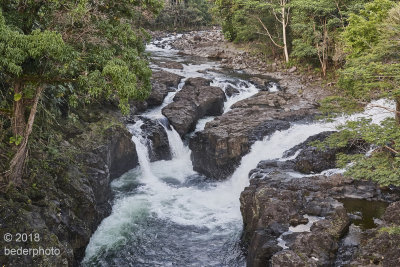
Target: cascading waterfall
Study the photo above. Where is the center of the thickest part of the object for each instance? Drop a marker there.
(165, 214)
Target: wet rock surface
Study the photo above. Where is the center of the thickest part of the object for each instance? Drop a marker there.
(315, 160)
(211, 44)
(196, 100)
(275, 200)
(381, 246)
(217, 150)
(158, 145)
(72, 198)
(162, 83)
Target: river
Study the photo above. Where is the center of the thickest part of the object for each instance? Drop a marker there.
(166, 214)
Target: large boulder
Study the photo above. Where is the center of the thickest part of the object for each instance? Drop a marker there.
(196, 100)
(162, 83)
(318, 207)
(273, 203)
(381, 246)
(156, 135)
(312, 159)
(217, 150)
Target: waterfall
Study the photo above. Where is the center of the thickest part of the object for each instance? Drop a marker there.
(173, 216)
(141, 148)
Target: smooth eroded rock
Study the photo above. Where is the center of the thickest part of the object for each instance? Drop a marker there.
(196, 100)
(217, 150)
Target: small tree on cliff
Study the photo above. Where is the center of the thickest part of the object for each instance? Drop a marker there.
(90, 45)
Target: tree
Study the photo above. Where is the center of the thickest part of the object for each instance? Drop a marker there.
(91, 45)
(268, 18)
(372, 71)
(226, 10)
(314, 24)
(281, 11)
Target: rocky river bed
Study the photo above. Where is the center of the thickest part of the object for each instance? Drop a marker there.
(216, 168)
(228, 175)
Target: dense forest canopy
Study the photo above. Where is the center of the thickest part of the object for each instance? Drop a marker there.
(82, 51)
(78, 51)
(356, 42)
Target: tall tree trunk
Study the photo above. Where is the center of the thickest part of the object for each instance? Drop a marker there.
(398, 109)
(284, 24)
(18, 117)
(325, 49)
(18, 161)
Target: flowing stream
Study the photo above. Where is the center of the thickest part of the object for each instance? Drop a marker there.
(166, 214)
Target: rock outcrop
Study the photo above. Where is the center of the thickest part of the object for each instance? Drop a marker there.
(217, 150)
(196, 100)
(381, 246)
(162, 83)
(275, 201)
(291, 221)
(68, 195)
(157, 137)
(315, 160)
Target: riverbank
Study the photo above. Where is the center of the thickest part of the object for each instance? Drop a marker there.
(67, 192)
(208, 135)
(271, 233)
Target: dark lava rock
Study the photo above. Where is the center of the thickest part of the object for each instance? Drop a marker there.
(68, 200)
(217, 150)
(275, 198)
(162, 83)
(158, 140)
(196, 100)
(314, 160)
(264, 84)
(267, 202)
(231, 91)
(381, 246)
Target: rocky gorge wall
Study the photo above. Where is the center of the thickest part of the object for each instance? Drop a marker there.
(305, 221)
(65, 201)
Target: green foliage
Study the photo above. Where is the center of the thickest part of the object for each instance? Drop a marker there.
(339, 104)
(362, 32)
(183, 15)
(383, 164)
(373, 64)
(16, 140)
(241, 22)
(77, 51)
(95, 48)
(392, 230)
(226, 9)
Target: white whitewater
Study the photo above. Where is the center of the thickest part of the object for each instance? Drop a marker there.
(216, 206)
(164, 191)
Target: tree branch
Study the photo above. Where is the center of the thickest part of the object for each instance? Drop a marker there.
(268, 34)
(391, 149)
(382, 107)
